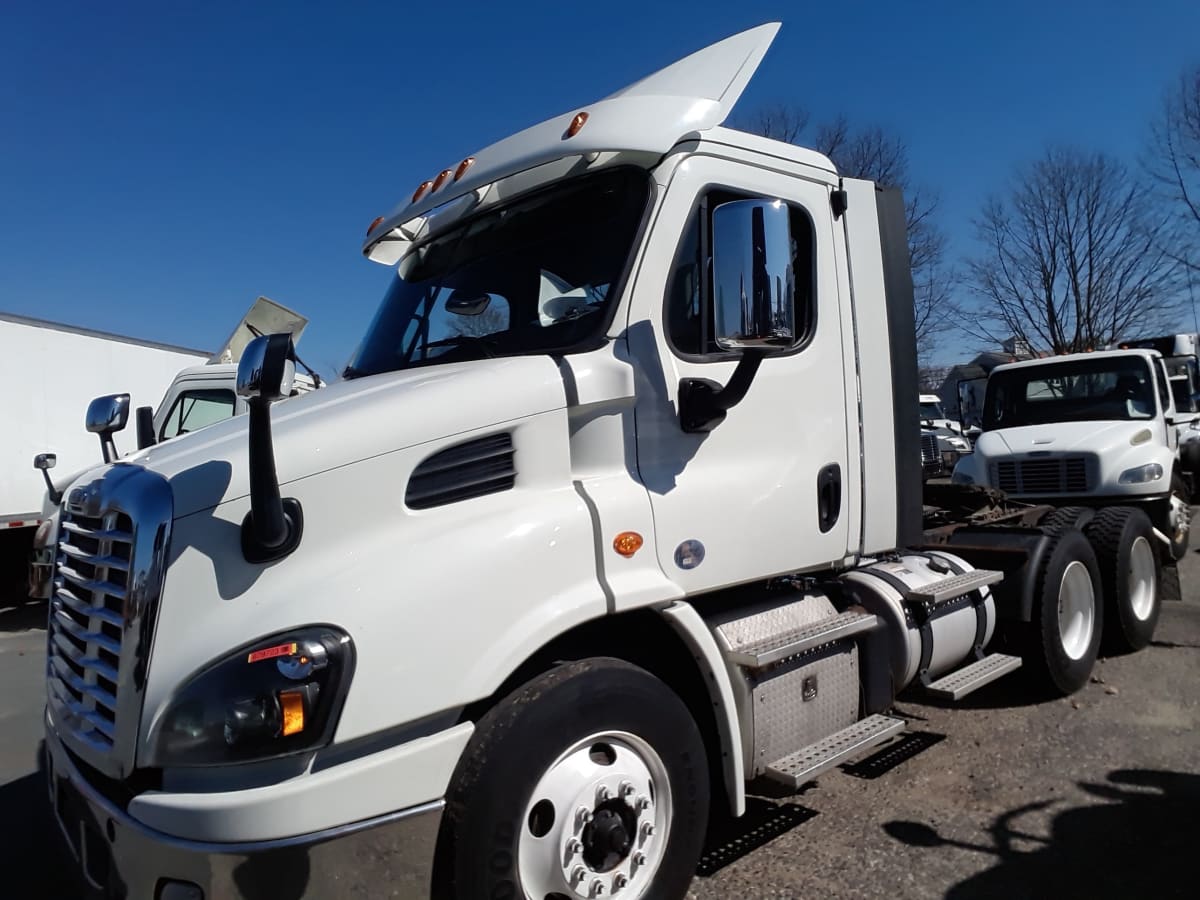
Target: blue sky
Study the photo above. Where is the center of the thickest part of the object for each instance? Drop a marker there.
(162, 164)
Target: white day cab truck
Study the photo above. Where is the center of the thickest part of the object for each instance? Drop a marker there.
(616, 512)
(197, 396)
(64, 367)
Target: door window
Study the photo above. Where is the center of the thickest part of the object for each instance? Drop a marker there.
(196, 408)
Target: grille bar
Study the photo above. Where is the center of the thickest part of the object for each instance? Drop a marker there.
(1047, 475)
(105, 615)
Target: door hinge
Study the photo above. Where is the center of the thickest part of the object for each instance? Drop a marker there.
(839, 200)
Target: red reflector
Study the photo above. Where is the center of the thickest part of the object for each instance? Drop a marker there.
(271, 653)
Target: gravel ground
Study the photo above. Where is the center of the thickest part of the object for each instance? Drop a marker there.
(1003, 795)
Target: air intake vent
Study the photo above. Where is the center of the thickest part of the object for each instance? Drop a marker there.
(483, 466)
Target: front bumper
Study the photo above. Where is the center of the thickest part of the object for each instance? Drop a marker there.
(387, 856)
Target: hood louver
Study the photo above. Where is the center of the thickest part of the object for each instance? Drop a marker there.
(472, 469)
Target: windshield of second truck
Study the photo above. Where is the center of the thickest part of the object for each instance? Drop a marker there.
(536, 275)
(932, 411)
(1091, 390)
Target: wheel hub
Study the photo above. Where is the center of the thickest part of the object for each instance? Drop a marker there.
(597, 821)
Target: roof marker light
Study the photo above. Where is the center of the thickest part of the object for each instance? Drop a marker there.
(463, 166)
(441, 179)
(421, 189)
(577, 123)
(371, 227)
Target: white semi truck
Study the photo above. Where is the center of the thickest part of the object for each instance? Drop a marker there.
(62, 367)
(617, 510)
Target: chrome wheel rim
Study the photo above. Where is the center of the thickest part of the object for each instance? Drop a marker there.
(1076, 610)
(1143, 578)
(1180, 518)
(597, 821)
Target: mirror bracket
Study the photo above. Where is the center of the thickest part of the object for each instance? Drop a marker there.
(704, 403)
(43, 462)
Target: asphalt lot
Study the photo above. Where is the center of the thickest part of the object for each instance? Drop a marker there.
(1004, 795)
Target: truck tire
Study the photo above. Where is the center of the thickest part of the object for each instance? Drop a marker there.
(1179, 516)
(1125, 546)
(527, 814)
(1063, 637)
(1059, 520)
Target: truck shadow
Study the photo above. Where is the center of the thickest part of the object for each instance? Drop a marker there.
(33, 854)
(1138, 844)
(730, 839)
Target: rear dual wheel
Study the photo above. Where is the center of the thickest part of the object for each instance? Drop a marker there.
(1063, 638)
(590, 780)
(1130, 573)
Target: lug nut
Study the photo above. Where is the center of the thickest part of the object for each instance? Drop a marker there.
(627, 789)
(577, 874)
(620, 881)
(601, 794)
(597, 888)
(643, 803)
(573, 847)
(647, 830)
(639, 858)
(584, 814)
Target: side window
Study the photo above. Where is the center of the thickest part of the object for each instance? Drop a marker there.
(195, 409)
(690, 290)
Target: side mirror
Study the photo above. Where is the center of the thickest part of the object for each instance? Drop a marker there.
(462, 303)
(272, 528)
(753, 303)
(143, 418)
(106, 416)
(44, 462)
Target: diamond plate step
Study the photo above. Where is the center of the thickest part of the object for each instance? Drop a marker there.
(808, 762)
(970, 678)
(954, 586)
(790, 643)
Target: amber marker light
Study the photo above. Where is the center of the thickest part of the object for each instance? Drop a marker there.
(577, 124)
(463, 166)
(627, 543)
(291, 705)
(441, 179)
(421, 189)
(371, 227)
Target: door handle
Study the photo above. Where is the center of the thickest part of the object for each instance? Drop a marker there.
(829, 496)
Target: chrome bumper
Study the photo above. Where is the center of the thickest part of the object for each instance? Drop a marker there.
(388, 856)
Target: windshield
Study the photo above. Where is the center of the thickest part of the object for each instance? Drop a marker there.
(1107, 388)
(931, 411)
(536, 275)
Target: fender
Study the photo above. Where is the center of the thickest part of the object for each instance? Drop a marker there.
(687, 623)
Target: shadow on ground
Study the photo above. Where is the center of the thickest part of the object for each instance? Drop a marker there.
(33, 855)
(1140, 844)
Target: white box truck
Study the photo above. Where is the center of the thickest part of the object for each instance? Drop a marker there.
(617, 510)
(63, 368)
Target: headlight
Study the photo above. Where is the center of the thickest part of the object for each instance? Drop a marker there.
(958, 444)
(961, 478)
(280, 695)
(1142, 474)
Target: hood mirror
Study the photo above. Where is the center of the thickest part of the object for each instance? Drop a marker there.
(44, 462)
(106, 416)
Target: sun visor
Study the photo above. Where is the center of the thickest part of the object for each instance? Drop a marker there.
(264, 317)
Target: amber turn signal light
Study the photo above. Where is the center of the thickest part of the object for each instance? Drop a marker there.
(627, 543)
(291, 705)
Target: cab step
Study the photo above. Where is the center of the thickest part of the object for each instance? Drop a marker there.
(970, 678)
(954, 586)
(808, 762)
(791, 643)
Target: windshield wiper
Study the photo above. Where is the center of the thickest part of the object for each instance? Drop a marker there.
(485, 343)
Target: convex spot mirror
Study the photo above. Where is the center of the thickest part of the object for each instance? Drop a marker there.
(107, 414)
(267, 369)
(753, 279)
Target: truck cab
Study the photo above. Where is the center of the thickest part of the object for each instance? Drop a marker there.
(1086, 429)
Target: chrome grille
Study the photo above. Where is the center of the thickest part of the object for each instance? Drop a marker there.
(113, 534)
(1047, 475)
(87, 615)
(931, 457)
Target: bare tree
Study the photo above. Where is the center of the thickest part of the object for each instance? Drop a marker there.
(873, 154)
(1075, 257)
(1173, 162)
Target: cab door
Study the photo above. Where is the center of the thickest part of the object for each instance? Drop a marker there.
(765, 491)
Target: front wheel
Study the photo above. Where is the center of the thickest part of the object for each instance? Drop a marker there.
(589, 780)
(1179, 516)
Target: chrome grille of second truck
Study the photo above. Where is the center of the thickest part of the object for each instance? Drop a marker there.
(1049, 475)
(87, 616)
